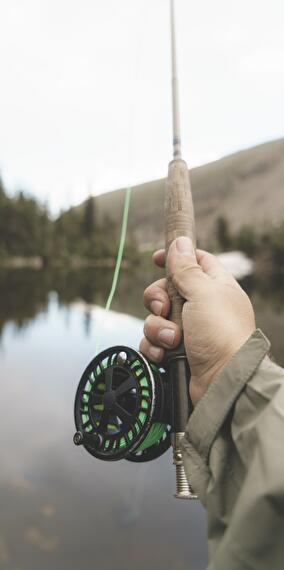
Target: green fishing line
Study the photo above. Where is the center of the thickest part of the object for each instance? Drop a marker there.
(157, 430)
(119, 255)
(120, 249)
(155, 434)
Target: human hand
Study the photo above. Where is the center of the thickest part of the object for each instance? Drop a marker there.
(217, 314)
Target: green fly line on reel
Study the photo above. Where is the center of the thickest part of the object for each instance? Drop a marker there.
(121, 407)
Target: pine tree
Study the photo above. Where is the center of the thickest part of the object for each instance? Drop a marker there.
(88, 223)
(223, 234)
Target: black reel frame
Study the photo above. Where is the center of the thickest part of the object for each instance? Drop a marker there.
(119, 398)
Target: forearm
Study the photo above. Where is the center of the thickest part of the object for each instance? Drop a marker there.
(232, 439)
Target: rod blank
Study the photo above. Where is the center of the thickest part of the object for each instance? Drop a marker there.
(175, 90)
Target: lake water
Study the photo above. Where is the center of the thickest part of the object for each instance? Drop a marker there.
(60, 507)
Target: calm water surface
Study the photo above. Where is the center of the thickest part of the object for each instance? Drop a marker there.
(61, 508)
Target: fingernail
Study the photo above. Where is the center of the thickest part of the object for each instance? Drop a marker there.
(155, 352)
(156, 307)
(167, 336)
(184, 245)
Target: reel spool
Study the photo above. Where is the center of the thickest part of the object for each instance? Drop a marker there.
(122, 407)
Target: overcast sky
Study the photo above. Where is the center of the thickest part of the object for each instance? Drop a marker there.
(85, 89)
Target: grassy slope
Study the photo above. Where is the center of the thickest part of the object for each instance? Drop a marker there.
(246, 187)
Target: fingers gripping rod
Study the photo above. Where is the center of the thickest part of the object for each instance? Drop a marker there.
(179, 221)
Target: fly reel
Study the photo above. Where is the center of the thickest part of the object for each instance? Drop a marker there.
(122, 407)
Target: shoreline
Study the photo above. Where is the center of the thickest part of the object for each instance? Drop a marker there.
(37, 263)
(236, 262)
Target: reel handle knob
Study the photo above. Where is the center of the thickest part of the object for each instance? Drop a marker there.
(84, 438)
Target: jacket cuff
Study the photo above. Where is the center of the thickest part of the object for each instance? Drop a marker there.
(213, 408)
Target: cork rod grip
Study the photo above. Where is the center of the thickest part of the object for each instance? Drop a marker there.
(179, 221)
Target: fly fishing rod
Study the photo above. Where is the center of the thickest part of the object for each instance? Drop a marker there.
(125, 406)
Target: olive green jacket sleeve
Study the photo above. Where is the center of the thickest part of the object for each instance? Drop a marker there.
(233, 453)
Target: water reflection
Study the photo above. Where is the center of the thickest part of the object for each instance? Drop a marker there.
(60, 508)
(24, 294)
(267, 296)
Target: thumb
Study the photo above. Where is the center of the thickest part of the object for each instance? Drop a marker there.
(187, 276)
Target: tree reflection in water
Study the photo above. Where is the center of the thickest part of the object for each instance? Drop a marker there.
(60, 508)
(24, 293)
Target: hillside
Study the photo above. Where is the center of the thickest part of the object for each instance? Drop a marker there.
(245, 188)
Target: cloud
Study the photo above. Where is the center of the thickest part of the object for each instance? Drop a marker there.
(21, 485)
(38, 539)
(48, 511)
(263, 62)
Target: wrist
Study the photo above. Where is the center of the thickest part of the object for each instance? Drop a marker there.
(199, 383)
